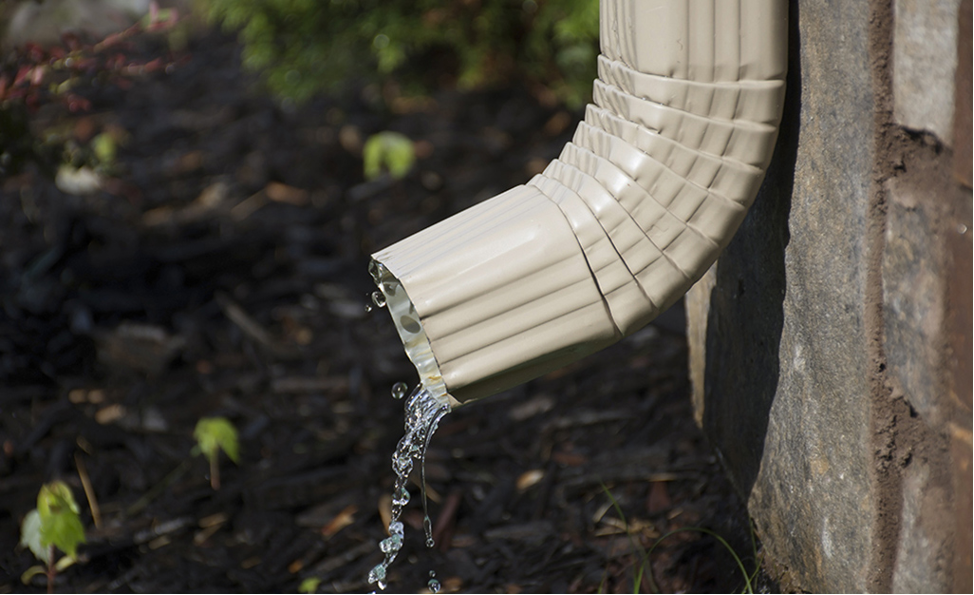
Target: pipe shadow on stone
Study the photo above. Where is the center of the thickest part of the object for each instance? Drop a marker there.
(745, 316)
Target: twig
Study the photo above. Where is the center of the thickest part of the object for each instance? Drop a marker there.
(250, 327)
(89, 490)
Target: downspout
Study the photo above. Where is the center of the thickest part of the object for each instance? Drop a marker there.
(639, 204)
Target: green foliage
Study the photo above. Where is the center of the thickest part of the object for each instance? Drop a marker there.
(60, 523)
(305, 46)
(214, 434)
(309, 585)
(55, 523)
(30, 537)
(105, 148)
(390, 150)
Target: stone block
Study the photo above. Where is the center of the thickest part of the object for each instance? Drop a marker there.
(913, 301)
(924, 60)
(924, 537)
(785, 366)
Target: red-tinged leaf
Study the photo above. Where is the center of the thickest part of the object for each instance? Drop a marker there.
(22, 74)
(86, 64)
(108, 42)
(71, 40)
(77, 103)
(35, 53)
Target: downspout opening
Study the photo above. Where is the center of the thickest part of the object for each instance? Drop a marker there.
(411, 332)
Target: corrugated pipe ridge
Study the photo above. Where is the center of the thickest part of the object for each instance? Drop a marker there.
(654, 183)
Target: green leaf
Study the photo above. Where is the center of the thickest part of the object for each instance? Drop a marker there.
(60, 523)
(309, 585)
(217, 433)
(390, 150)
(31, 573)
(30, 537)
(104, 148)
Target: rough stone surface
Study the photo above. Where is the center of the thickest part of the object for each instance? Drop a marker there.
(963, 168)
(924, 59)
(785, 351)
(922, 551)
(960, 348)
(913, 292)
(830, 344)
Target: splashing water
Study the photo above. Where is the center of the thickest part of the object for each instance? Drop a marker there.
(423, 415)
(378, 299)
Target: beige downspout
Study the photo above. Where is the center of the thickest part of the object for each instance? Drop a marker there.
(653, 185)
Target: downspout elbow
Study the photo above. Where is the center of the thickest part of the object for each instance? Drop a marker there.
(654, 183)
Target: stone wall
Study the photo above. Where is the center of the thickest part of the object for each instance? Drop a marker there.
(831, 343)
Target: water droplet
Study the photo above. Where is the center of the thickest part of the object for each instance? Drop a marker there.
(391, 543)
(402, 499)
(379, 299)
(427, 524)
(368, 307)
(399, 390)
(433, 584)
(378, 573)
(423, 415)
(377, 270)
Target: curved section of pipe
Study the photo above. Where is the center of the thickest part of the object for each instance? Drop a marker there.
(656, 180)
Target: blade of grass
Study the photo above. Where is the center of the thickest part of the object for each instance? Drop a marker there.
(643, 555)
(740, 564)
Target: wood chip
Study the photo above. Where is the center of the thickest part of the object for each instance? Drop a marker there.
(112, 413)
(287, 194)
(529, 478)
(343, 519)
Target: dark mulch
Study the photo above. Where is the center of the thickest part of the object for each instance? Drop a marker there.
(225, 274)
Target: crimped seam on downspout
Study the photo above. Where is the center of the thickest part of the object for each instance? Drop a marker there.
(654, 183)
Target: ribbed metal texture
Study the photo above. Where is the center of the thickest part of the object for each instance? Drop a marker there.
(655, 182)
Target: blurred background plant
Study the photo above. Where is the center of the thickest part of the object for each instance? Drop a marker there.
(50, 49)
(302, 47)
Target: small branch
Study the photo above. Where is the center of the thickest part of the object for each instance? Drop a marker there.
(89, 491)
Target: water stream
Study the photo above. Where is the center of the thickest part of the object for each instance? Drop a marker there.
(423, 415)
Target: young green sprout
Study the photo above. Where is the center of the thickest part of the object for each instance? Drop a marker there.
(389, 150)
(214, 434)
(54, 525)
